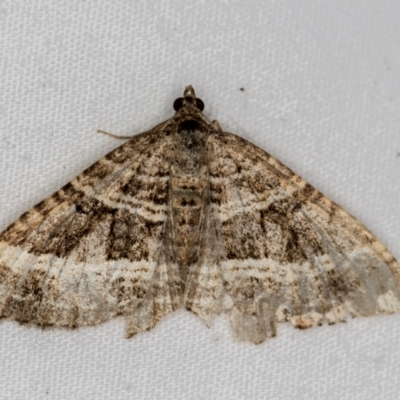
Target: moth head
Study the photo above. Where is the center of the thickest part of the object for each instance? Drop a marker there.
(188, 99)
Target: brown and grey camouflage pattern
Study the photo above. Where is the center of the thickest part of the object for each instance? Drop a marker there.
(188, 215)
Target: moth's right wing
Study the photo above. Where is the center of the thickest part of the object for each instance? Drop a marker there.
(281, 251)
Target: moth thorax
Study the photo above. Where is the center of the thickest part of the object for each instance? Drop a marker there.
(191, 147)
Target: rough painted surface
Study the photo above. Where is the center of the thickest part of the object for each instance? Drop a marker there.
(188, 215)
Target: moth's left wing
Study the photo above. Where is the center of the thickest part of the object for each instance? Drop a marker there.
(98, 247)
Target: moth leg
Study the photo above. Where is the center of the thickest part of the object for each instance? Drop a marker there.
(215, 124)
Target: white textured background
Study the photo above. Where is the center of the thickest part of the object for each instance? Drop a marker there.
(322, 93)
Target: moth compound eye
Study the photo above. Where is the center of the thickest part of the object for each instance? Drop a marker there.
(200, 104)
(178, 103)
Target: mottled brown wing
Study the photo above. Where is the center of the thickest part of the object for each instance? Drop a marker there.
(204, 289)
(286, 252)
(96, 248)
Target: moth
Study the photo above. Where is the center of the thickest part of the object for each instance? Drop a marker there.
(187, 215)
